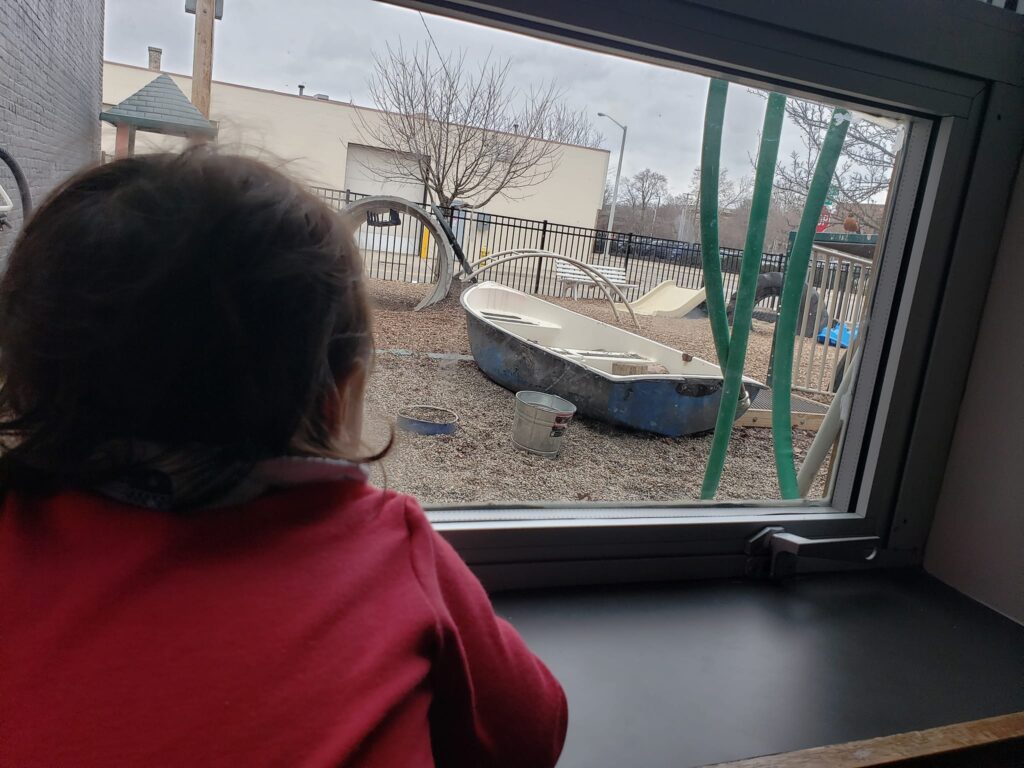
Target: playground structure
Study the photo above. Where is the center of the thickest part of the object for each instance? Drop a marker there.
(731, 343)
(843, 312)
(838, 309)
(437, 228)
(600, 279)
(367, 210)
(804, 311)
(834, 305)
(667, 299)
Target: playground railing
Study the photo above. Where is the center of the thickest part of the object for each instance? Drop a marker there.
(843, 286)
(401, 253)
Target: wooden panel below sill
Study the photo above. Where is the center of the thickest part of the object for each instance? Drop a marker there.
(995, 742)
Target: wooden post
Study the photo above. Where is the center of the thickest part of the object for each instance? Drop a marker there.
(202, 56)
(124, 141)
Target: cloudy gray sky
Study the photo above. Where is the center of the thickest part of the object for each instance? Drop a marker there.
(326, 44)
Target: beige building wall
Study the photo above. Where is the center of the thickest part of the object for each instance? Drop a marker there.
(310, 137)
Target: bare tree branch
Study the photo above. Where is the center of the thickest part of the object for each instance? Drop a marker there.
(464, 133)
(865, 168)
(641, 190)
(732, 194)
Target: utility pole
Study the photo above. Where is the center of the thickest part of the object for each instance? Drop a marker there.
(654, 223)
(618, 173)
(206, 12)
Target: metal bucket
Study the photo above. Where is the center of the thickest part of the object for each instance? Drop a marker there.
(540, 422)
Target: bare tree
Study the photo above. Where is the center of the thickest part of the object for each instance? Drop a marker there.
(864, 170)
(570, 126)
(465, 133)
(734, 197)
(642, 189)
(732, 193)
(733, 224)
(667, 221)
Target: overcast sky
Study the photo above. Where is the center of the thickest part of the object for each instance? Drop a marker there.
(326, 44)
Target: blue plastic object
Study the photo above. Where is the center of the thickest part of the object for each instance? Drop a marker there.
(833, 335)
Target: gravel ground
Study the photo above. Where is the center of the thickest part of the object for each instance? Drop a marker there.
(597, 462)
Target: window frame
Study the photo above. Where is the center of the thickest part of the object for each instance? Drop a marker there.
(945, 224)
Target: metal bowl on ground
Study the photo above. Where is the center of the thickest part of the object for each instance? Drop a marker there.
(428, 420)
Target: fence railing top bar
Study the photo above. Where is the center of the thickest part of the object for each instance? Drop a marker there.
(556, 227)
(834, 254)
(620, 240)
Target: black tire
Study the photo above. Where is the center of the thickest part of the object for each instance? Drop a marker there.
(769, 284)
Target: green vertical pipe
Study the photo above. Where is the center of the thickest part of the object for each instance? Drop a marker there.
(785, 328)
(710, 159)
(767, 155)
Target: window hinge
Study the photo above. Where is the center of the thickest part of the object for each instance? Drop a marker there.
(773, 553)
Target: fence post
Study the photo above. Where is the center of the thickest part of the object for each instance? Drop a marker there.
(629, 249)
(540, 259)
(348, 196)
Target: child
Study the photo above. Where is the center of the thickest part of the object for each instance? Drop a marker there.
(193, 568)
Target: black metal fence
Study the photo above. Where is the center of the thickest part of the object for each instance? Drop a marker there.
(391, 251)
(337, 198)
(401, 251)
(646, 261)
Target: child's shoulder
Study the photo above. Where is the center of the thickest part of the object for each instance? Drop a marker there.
(388, 507)
(405, 509)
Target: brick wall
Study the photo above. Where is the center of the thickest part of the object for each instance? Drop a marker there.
(51, 64)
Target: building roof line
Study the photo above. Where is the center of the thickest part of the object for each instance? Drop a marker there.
(328, 101)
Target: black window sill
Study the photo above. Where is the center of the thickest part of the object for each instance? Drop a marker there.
(704, 672)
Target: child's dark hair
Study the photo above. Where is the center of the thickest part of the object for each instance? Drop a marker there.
(189, 301)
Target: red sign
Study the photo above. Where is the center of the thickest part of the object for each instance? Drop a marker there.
(823, 220)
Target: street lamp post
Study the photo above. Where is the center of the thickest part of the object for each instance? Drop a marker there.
(615, 189)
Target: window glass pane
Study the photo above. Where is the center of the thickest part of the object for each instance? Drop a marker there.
(506, 144)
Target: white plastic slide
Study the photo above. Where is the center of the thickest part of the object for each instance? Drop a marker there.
(667, 299)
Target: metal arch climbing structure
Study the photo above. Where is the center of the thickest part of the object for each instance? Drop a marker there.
(516, 254)
(354, 214)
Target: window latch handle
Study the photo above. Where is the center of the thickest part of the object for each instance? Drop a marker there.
(773, 552)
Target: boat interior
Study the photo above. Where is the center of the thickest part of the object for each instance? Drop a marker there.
(592, 343)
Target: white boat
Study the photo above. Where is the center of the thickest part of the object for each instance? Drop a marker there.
(525, 343)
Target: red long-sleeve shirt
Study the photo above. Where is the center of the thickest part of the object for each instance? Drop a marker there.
(322, 625)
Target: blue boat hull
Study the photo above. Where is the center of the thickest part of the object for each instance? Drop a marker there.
(670, 406)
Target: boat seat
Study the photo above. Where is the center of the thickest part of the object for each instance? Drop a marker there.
(520, 324)
(508, 318)
(602, 353)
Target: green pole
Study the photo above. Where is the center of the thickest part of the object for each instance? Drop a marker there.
(785, 328)
(710, 159)
(732, 386)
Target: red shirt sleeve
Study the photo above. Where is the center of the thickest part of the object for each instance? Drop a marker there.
(495, 703)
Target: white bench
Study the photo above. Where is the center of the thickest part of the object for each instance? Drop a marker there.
(571, 276)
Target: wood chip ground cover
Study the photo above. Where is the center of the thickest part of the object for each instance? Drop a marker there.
(597, 462)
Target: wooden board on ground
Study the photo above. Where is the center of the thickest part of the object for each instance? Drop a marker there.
(806, 414)
(755, 417)
(995, 742)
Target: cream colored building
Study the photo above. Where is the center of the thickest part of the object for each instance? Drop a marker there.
(321, 142)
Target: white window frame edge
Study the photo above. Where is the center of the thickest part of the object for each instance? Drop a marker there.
(966, 129)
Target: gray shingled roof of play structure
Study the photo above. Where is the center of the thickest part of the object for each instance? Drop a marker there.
(160, 107)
